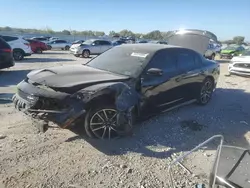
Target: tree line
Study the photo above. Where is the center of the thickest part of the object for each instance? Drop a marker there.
(153, 35)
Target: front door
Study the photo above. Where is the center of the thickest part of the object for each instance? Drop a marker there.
(105, 45)
(161, 92)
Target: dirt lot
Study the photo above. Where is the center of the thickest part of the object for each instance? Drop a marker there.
(61, 158)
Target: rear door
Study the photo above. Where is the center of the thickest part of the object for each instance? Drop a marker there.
(105, 45)
(162, 91)
(192, 73)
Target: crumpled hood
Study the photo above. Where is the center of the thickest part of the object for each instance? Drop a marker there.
(227, 51)
(243, 59)
(197, 40)
(72, 75)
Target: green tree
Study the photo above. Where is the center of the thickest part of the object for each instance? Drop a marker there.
(238, 39)
(66, 32)
(154, 35)
(126, 32)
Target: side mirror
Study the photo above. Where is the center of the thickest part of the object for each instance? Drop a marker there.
(154, 72)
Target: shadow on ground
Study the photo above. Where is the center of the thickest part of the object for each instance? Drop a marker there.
(12, 77)
(44, 60)
(182, 129)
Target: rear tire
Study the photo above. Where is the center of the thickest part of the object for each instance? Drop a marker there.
(67, 47)
(86, 53)
(18, 55)
(205, 92)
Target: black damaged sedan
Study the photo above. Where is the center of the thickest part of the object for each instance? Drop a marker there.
(124, 84)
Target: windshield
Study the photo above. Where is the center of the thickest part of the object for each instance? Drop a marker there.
(231, 48)
(246, 53)
(119, 60)
(88, 42)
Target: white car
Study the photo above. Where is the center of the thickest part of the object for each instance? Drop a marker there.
(59, 44)
(20, 47)
(240, 64)
(90, 47)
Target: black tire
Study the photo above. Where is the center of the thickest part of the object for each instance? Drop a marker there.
(39, 51)
(212, 57)
(49, 47)
(86, 53)
(18, 55)
(205, 92)
(67, 47)
(96, 127)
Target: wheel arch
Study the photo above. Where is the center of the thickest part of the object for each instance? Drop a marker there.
(19, 49)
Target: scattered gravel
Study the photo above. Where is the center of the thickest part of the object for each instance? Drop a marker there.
(61, 158)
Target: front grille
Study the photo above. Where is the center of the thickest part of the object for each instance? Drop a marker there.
(29, 98)
(242, 65)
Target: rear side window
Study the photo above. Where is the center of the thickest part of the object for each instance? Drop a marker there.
(3, 44)
(103, 42)
(186, 60)
(9, 38)
(60, 41)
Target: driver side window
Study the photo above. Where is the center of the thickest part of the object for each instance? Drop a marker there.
(164, 60)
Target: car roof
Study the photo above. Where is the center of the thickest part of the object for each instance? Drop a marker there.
(148, 47)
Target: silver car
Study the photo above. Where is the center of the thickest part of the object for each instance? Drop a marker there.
(58, 44)
(211, 52)
(91, 47)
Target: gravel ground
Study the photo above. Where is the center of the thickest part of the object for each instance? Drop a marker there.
(61, 158)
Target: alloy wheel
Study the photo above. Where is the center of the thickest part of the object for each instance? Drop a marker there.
(86, 54)
(103, 124)
(206, 92)
(18, 55)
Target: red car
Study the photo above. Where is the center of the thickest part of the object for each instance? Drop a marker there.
(37, 46)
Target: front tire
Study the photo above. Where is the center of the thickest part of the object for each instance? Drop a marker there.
(49, 47)
(205, 92)
(18, 55)
(86, 53)
(39, 51)
(101, 123)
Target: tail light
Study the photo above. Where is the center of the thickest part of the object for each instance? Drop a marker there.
(7, 50)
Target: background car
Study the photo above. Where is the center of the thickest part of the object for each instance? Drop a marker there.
(37, 46)
(240, 64)
(42, 39)
(78, 42)
(210, 52)
(20, 47)
(118, 42)
(59, 44)
(231, 51)
(91, 47)
(6, 56)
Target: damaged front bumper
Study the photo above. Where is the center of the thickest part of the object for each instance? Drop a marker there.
(47, 104)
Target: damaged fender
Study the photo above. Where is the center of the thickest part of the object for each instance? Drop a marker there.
(126, 98)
